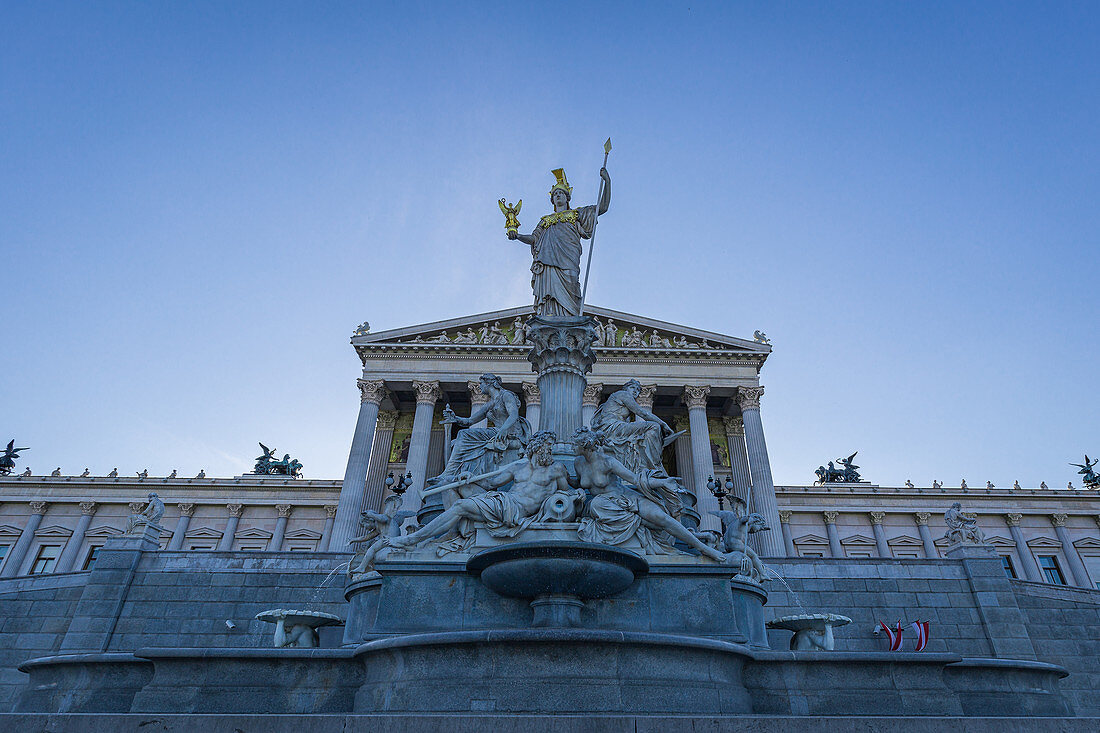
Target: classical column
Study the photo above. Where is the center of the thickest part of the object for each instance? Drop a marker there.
(739, 459)
(785, 525)
(590, 400)
(276, 542)
(225, 544)
(477, 399)
(835, 548)
(18, 553)
(763, 490)
(326, 531)
(379, 461)
(1077, 568)
(426, 395)
(435, 504)
(533, 400)
(695, 397)
(682, 448)
(877, 519)
(1031, 568)
(354, 488)
(72, 548)
(921, 518)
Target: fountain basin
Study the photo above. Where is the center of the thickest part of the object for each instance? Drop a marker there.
(557, 575)
(812, 631)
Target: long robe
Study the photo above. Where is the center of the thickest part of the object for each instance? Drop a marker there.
(556, 265)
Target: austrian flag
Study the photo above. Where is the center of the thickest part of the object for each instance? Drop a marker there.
(894, 635)
(920, 628)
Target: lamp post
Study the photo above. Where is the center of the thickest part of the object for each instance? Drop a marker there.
(398, 485)
(720, 490)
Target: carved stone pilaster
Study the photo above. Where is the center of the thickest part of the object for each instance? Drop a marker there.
(284, 509)
(330, 510)
(371, 390)
(733, 425)
(87, 508)
(830, 517)
(531, 394)
(186, 510)
(591, 395)
(387, 419)
(785, 516)
(427, 393)
(235, 510)
(646, 395)
(1059, 520)
(922, 517)
(1013, 520)
(477, 397)
(877, 517)
(749, 397)
(696, 395)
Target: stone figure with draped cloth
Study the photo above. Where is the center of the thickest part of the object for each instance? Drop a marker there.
(480, 450)
(556, 248)
(633, 433)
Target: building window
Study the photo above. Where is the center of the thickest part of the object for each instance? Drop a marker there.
(1053, 573)
(813, 554)
(859, 554)
(1006, 563)
(93, 553)
(201, 547)
(300, 548)
(250, 548)
(46, 559)
(3, 553)
(907, 555)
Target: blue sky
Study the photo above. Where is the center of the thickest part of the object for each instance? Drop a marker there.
(199, 202)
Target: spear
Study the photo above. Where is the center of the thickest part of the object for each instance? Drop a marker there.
(595, 218)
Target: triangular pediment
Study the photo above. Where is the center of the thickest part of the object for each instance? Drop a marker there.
(204, 533)
(496, 330)
(253, 533)
(7, 530)
(857, 539)
(904, 541)
(53, 530)
(1043, 542)
(811, 539)
(303, 534)
(998, 541)
(103, 531)
(1087, 543)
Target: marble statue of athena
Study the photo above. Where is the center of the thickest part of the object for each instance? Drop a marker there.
(556, 248)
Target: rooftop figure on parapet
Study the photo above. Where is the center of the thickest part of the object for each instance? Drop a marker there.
(9, 457)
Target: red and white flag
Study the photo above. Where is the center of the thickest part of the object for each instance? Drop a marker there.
(894, 635)
(920, 628)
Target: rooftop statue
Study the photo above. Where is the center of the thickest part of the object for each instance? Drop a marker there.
(9, 457)
(1090, 479)
(556, 246)
(961, 528)
(644, 504)
(632, 433)
(761, 338)
(267, 464)
(113, 473)
(263, 462)
(848, 472)
(56, 472)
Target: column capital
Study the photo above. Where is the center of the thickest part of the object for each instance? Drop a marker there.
(922, 518)
(734, 425)
(830, 517)
(749, 397)
(371, 390)
(427, 392)
(39, 507)
(87, 508)
(136, 506)
(284, 509)
(695, 396)
(785, 516)
(235, 510)
(477, 397)
(679, 422)
(1013, 520)
(531, 393)
(877, 517)
(1059, 520)
(646, 395)
(330, 510)
(186, 510)
(1097, 520)
(387, 420)
(591, 395)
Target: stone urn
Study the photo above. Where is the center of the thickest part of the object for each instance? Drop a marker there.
(558, 576)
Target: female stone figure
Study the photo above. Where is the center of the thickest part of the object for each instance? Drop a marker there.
(646, 508)
(633, 432)
(556, 248)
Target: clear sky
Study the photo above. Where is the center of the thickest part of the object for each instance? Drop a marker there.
(199, 203)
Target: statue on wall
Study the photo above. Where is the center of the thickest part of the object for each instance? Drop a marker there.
(1090, 479)
(149, 516)
(625, 503)
(9, 457)
(633, 433)
(479, 450)
(503, 513)
(556, 248)
(961, 528)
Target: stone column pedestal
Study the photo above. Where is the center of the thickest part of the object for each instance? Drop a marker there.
(561, 354)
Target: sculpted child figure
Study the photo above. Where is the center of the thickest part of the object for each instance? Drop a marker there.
(617, 513)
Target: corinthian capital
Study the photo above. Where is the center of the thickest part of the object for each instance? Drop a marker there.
(427, 392)
(785, 516)
(531, 393)
(39, 507)
(749, 397)
(371, 390)
(87, 508)
(922, 517)
(1013, 520)
(696, 396)
(830, 517)
(877, 517)
(235, 510)
(646, 395)
(734, 425)
(1059, 520)
(187, 510)
(284, 509)
(591, 395)
(387, 419)
(477, 397)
